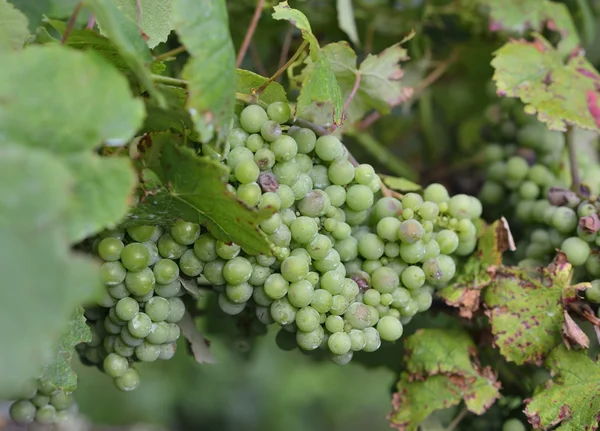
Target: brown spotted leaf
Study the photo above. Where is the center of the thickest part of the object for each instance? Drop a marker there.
(558, 91)
(571, 400)
(474, 275)
(442, 370)
(527, 309)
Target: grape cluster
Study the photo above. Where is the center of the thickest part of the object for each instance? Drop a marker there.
(42, 402)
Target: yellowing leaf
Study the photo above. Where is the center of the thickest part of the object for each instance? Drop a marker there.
(571, 400)
(557, 91)
(527, 309)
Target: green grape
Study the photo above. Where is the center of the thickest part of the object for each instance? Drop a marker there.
(165, 271)
(281, 237)
(147, 352)
(294, 268)
(341, 172)
(339, 305)
(347, 248)
(334, 324)
(141, 233)
(412, 201)
(118, 291)
(332, 282)
(239, 293)
(168, 247)
(459, 206)
(61, 400)
(110, 249)
(513, 425)
(342, 231)
(354, 218)
(388, 227)
(466, 230)
(413, 277)
(303, 229)
(319, 247)
(322, 300)
(260, 297)
(307, 319)
(140, 325)
(247, 171)
(121, 348)
(314, 204)
(168, 290)
(592, 264)
(586, 209)
(237, 138)
(305, 163)
(174, 333)
(576, 250)
(264, 159)
(115, 365)
(286, 196)
(229, 307)
(259, 275)
(46, 415)
(517, 168)
(140, 283)
(40, 400)
(429, 210)
(385, 280)
(357, 315)
(337, 195)
(372, 339)
(372, 297)
(157, 308)
(127, 308)
(282, 311)
(189, 264)
(328, 148)
(184, 232)
(129, 381)
(350, 289)
(249, 194)
(364, 174)
(359, 197)
(310, 340)
(370, 247)
(106, 300)
(447, 240)
(529, 190)
(424, 300)
(272, 224)
(254, 142)
(237, 270)
(492, 193)
(386, 207)
(564, 220)
(300, 293)
(339, 343)
(279, 112)
(176, 310)
(410, 231)
(252, 117)
(112, 273)
(306, 140)
(284, 148)
(432, 249)
(389, 328)
(276, 286)
(268, 200)
(159, 333)
(412, 253)
(466, 248)
(271, 131)
(313, 278)
(400, 297)
(593, 293)
(287, 172)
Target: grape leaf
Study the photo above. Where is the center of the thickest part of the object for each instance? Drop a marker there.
(319, 83)
(101, 194)
(346, 21)
(174, 117)
(400, 184)
(100, 107)
(155, 18)
(33, 10)
(59, 372)
(536, 73)
(519, 15)
(478, 271)
(204, 29)
(127, 37)
(194, 188)
(13, 27)
(570, 401)
(442, 369)
(43, 281)
(527, 309)
(248, 82)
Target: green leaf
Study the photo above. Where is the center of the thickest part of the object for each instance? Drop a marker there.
(36, 258)
(13, 27)
(174, 117)
(519, 15)
(33, 84)
(283, 11)
(527, 309)
(33, 10)
(442, 369)
(204, 29)
(194, 188)
(570, 401)
(101, 196)
(346, 21)
(557, 91)
(155, 17)
(478, 271)
(59, 372)
(127, 37)
(400, 184)
(248, 82)
(415, 400)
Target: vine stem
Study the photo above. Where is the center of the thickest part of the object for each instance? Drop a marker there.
(459, 417)
(169, 81)
(351, 95)
(169, 54)
(282, 68)
(250, 32)
(71, 23)
(575, 179)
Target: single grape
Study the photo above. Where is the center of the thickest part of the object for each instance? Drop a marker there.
(141, 233)
(328, 148)
(157, 308)
(303, 229)
(359, 197)
(185, 232)
(287, 172)
(189, 264)
(322, 301)
(168, 290)
(371, 247)
(284, 148)
(112, 273)
(564, 220)
(140, 325)
(140, 283)
(147, 352)
(110, 249)
(165, 271)
(517, 168)
(282, 311)
(513, 425)
(122, 348)
(389, 328)
(294, 268)
(237, 270)
(413, 277)
(176, 310)
(115, 365)
(127, 308)
(339, 343)
(46, 415)
(314, 204)
(252, 117)
(169, 248)
(40, 400)
(410, 231)
(387, 228)
(129, 381)
(237, 137)
(364, 174)
(372, 339)
(279, 112)
(254, 142)
(239, 293)
(61, 400)
(447, 240)
(385, 280)
(576, 250)
(310, 340)
(306, 140)
(271, 131)
(412, 253)
(341, 172)
(307, 319)
(264, 159)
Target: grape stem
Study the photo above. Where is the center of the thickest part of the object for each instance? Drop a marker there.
(282, 68)
(459, 417)
(575, 179)
(169, 54)
(71, 23)
(250, 32)
(167, 80)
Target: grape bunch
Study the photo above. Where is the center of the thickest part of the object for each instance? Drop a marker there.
(42, 402)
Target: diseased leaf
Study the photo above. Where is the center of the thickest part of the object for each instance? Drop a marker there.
(346, 21)
(101, 196)
(198, 345)
(479, 270)
(155, 18)
(571, 400)
(127, 37)
(193, 188)
(52, 281)
(400, 184)
(59, 372)
(557, 91)
(248, 82)
(100, 107)
(521, 15)
(13, 27)
(442, 370)
(204, 29)
(526, 309)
